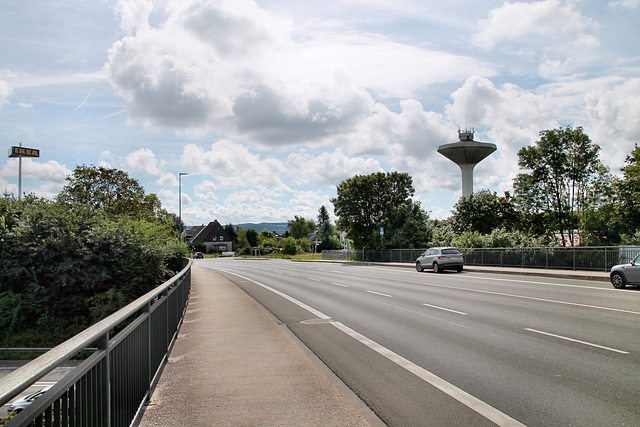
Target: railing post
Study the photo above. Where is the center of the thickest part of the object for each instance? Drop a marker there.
(105, 395)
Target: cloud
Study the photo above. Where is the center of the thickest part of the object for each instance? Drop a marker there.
(143, 160)
(628, 4)
(134, 14)
(328, 168)
(614, 118)
(233, 165)
(236, 68)
(168, 180)
(532, 23)
(5, 91)
(50, 171)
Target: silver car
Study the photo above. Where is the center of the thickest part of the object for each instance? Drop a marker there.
(440, 259)
(626, 274)
(20, 404)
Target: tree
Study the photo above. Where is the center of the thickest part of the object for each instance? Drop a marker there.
(289, 246)
(231, 232)
(109, 190)
(562, 180)
(326, 232)
(483, 212)
(628, 192)
(252, 237)
(323, 215)
(367, 203)
(300, 227)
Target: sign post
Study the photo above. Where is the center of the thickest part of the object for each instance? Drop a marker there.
(21, 152)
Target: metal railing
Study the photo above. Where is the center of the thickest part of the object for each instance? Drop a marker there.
(592, 258)
(111, 386)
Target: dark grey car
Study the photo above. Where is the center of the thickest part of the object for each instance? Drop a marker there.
(440, 259)
(626, 274)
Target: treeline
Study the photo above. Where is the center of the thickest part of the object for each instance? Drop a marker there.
(295, 240)
(563, 196)
(67, 263)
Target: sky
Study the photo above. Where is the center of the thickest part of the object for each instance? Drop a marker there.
(268, 105)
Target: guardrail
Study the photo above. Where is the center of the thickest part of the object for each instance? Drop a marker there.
(111, 386)
(591, 258)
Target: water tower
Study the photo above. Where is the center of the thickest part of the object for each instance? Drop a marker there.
(467, 153)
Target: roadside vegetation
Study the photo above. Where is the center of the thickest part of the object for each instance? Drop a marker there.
(68, 263)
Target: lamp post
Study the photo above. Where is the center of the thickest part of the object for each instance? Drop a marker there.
(180, 203)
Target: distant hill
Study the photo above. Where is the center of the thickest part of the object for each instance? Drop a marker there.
(278, 227)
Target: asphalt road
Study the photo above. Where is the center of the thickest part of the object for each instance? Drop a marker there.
(461, 348)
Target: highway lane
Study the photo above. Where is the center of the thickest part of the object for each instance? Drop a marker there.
(513, 349)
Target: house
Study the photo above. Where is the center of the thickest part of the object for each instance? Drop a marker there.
(213, 236)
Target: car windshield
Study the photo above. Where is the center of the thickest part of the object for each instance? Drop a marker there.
(450, 252)
(636, 260)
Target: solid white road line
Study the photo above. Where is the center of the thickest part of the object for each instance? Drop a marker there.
(576, 341)
(460, 395)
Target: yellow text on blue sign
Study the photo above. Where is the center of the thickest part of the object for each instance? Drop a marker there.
(23, 152)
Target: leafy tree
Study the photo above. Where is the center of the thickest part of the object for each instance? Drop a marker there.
(109, 190)
(231, 232)
(301, 227)
(442, 233)
(252, 237)
(366, 203)
(407, 227)
(562, 180)
(289, 246)
(628, 192)
(326, 232)
(483, 212)
(242, 246)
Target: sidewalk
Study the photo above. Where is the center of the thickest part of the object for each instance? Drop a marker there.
(233, 364)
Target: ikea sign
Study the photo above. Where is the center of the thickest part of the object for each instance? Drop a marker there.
(23, 152)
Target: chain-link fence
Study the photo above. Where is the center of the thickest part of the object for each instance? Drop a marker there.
(593, 258)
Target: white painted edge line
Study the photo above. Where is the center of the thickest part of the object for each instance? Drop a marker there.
(445, 309)
(458, 394)
(576, 341)
(300, 304)
(312, 279)
(381, 294)
(340, 284)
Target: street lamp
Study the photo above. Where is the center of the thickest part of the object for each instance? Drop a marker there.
(180, 203)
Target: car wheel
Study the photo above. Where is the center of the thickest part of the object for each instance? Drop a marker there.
(617, 280)
(459, 269)
(436, 268)
(419, 267)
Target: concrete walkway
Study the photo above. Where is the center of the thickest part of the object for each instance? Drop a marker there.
(234, 365)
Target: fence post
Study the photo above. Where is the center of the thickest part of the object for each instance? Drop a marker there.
(105, 390)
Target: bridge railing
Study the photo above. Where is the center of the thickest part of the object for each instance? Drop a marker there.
(593, 258)
(111, 386)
